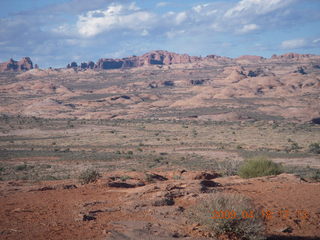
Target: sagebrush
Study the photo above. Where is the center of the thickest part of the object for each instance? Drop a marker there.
(258, 167)
(240, 226)
(88, 176)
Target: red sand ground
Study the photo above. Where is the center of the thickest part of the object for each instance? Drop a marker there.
(29, 211)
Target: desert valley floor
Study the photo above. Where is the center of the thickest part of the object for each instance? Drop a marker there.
(163, 138)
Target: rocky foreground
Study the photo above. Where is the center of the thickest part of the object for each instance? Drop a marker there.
(153, 205)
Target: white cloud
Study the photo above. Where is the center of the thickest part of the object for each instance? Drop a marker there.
(217, 27)
(181, 17)
(248, 28)
(169, 14)
(315, 41)
(256, 7)
(205, 10)
(200, 7)
(172, 34)
(294, 43)
(114, 17)
(162, 4)
(145, 32)
(64, 29)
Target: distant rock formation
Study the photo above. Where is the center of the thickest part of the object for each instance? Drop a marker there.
(151, 58)
(250, 58)
(167, 58)
(72, 65)
(23, 65)
(212, 56)
(161, 57)
(292, 56)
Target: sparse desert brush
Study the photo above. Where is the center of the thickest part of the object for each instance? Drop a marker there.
(125, 178)
(294, 147)
(308, 172)
(89, 176)
(228, 167)
(314, 148)
(315, 175)
(228, 214)
(258, 167)
(21, 167)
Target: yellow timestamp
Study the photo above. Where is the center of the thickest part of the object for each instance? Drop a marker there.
(231, 214)
(267, 214)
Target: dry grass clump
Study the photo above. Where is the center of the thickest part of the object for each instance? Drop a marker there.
(231, 215)
(89, 176)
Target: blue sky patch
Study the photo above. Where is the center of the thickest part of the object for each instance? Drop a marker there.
(55, 32)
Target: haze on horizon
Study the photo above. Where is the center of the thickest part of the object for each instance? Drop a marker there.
(55, 32)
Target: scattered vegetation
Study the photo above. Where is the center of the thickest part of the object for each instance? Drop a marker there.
(21, 167)
(148, 178)
(294, 147)
(228, 167)
(125, 178)
(177, 177)
(142, 145)
(314, 148)
(307, 173)
(89, 176)
(258, 167)
(229, 214)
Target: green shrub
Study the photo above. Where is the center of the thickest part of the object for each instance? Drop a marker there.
(314, 148)
(21, 167)
(125, 178)
(89, 176)
(294, 147)
(258, 167)
(213, 213)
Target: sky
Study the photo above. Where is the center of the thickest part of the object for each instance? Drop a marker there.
(56, 32)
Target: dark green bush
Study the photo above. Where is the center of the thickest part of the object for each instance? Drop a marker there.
(258, 167)
(314, 148)
(22, 167)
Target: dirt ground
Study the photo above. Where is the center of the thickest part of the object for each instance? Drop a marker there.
(68, 210)
(151, 141)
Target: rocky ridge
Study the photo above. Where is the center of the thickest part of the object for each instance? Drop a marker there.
(151, 58)
(166, 58)
(158, 57)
